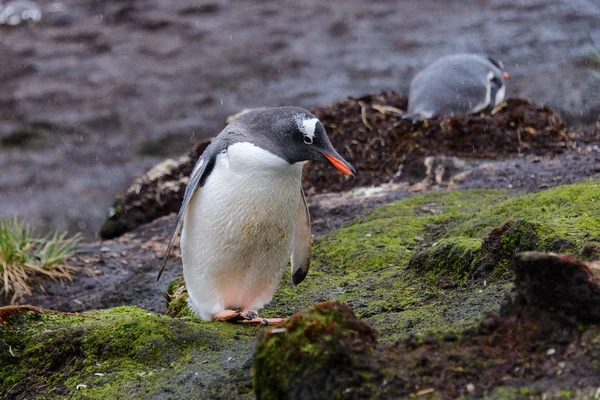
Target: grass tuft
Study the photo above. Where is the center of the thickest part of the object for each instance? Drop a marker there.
(595, 57)
(26, 259)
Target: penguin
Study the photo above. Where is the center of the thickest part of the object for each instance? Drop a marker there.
(18, 11)
(244, 214)
(459, 84)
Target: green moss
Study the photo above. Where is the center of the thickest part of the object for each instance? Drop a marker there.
(450, 257)
(313, 344)
(177, 299)
(570, 212)
(113, 352)
(399, 265)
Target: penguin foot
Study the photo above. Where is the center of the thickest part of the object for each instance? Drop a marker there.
(249, 314)
(263, 321)
(251, 317)
(245, 316)
(228, 316)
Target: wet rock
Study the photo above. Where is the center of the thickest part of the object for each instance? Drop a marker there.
(29, 134)
(204, 9)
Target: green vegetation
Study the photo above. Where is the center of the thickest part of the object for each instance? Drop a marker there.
(24, 257)
(596, 59)
(176, 297)
(113, 353)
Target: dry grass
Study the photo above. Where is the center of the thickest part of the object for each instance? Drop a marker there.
(595, 57)
(25, 260)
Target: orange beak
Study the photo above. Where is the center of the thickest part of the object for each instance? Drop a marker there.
(506, 76)
(342, 166)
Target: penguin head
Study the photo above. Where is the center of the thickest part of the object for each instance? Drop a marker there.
(294, 135)
(497, 78)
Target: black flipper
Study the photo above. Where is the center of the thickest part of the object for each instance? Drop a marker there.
(412, 117)
(201, 171)
(302, 242)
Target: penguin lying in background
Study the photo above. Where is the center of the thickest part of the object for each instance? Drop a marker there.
(457, 85)
(244, 213)
(19, 11)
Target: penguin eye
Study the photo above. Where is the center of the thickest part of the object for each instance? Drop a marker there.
(307, 139)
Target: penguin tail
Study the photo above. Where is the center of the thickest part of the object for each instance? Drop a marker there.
(412, 116)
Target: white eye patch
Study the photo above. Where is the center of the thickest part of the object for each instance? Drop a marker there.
(307, 126)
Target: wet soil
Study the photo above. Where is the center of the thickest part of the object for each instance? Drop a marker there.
(124, 84)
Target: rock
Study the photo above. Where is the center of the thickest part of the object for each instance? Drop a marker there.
(119, 352)
(323, 369)
(383, 148)
(560, 283)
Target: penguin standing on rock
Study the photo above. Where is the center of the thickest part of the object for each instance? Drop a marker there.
(457, 85)
(244, 213)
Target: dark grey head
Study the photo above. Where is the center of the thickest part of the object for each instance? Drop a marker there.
(499, 64)
(291, 133)
(498, 78)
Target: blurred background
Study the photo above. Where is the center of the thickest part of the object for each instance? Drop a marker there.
(97, 92)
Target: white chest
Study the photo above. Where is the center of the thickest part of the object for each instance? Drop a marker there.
(244, 215)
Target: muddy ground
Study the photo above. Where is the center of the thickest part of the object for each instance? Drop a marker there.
(92, 98)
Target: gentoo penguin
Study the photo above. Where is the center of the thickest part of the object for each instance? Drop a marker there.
(457, 85)
(244, 213)
(18, 11)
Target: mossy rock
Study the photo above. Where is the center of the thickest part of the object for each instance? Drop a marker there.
(452, 258)
(392, 265)
(313, 343)
(124, 352)
(326, 352)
